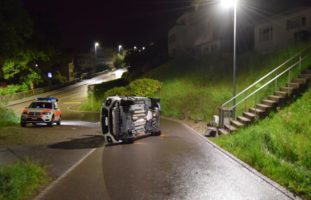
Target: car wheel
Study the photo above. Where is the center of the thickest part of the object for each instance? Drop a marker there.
(23, 124)
(128, 140)
(59, 121)
(158, 133)
(34, 124)
(50, 124)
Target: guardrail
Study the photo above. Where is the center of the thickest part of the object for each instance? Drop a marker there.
(264, 86)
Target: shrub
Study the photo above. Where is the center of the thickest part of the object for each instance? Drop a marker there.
(7, 117)
(11, 89)
(140, 87)
(144, 87)
(121, 91)
(100, 89)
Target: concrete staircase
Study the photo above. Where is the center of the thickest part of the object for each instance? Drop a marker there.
(262, 109)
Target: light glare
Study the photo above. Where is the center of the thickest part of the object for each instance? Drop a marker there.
(228, 3)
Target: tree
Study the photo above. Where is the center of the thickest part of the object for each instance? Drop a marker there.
(22, 68)
(119, 59)
(15, 27)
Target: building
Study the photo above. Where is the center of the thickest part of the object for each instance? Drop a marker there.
(196, 34)
(201, 32)
(95, 61)
(284, 29)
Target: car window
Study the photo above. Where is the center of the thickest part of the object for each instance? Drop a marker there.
(41, 105)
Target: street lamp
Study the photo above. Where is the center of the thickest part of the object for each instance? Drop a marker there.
(96, 44)
(119, 48)
(232, 4)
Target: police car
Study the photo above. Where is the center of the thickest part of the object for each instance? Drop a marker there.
(124, 119)
(42, 110)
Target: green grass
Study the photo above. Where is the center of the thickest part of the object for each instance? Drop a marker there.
(7, 117)
(195, 89)
(21, 180)
(278, 146)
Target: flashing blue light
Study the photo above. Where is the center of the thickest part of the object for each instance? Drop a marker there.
(47, 99)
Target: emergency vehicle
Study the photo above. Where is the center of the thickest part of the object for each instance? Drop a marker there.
(124, 119)
(42, 110)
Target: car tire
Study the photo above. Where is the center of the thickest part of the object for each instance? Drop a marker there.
(34, 124)
(58, 123)
(23, 124)
(128, 141)
(157, 133)
(50, 124)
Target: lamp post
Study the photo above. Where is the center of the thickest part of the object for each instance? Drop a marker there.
(233, 4)
(96, 44)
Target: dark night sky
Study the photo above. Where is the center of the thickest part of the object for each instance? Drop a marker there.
(131, 22)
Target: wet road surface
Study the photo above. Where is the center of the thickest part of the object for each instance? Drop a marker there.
(177, 165)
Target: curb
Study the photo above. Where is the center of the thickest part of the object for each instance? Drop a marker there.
(241, 163)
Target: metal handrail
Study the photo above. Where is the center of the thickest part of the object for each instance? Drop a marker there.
(276, 77)
(262, 78)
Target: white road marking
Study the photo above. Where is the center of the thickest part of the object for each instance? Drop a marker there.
(63, 175)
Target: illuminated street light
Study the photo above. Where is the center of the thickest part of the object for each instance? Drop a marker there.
(120, 48)
(229, 3)
(232, 4)
(135, 48)
(96, 44)
(144, 48)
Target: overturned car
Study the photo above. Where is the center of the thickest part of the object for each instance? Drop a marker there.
(124, 119)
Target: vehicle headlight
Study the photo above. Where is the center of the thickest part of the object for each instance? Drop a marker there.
(46, 113)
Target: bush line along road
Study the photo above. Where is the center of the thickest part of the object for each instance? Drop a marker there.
(178, 165)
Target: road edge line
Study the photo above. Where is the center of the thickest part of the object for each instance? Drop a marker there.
(58, 179)
(252, 170)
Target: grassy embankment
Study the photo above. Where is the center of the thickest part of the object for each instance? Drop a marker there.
(278, 146)
(7, 117)
(20, 180)
(195, 89)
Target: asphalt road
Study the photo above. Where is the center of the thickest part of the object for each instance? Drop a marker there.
(177, 165)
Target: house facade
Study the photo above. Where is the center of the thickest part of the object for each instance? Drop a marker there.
(283, 29)
(95, 61)
(201, 32)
